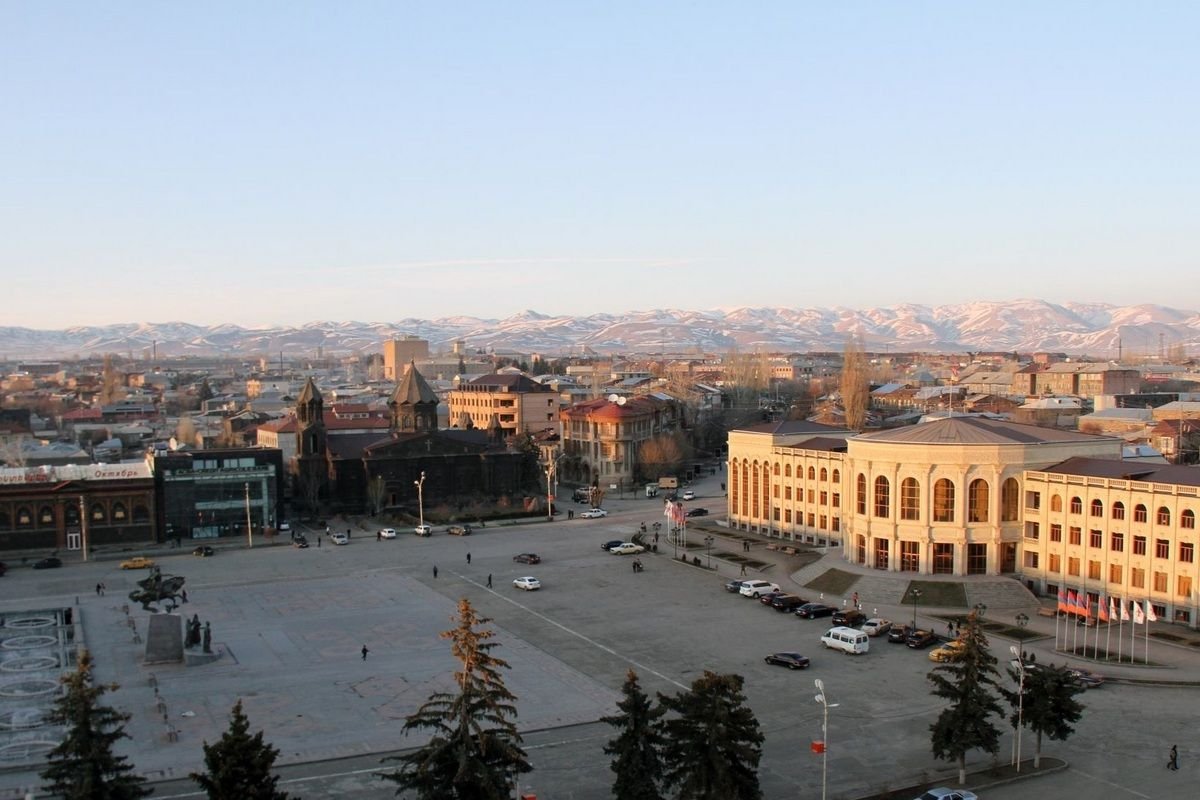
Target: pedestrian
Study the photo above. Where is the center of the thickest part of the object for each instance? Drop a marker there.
(950, 628)
(183, 594)
(435, 570)
(97, 590)
(855, 599)
(379, 536)
(743, 569)
(489, 580)
(635, 565)
(364, 652)
(103, 588)
(318, 541)
(468, 558)
(1173, 760)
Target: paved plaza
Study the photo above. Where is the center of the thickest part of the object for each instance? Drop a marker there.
(290, 624)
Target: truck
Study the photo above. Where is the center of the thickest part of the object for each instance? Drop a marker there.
(668, 482)
(651, 490)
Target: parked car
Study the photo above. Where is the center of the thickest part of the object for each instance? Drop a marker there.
(787, 602)
(789, 660)
(950, 651)
(697, 512)
(768, 597)
(285, 526)
(459, 530)
(387, 533)
(300, 542)
(734, 586)
(757, 588)
(50, 562)
(876, 626)
(137, 562)
(611, 543)
(203, 550)
(850, 618)
(942, 793)
(527, 558)
(1085, 677)
(899, 635)
(423, 530)
(339, 538)
(689, 495)
(814, 610)
(919, 639)
(626, 548)
(594, 513)
(528, 583)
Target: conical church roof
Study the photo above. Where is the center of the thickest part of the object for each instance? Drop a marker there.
(413, 389)
(309, 393)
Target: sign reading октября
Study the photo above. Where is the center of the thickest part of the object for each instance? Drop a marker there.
(75, 472)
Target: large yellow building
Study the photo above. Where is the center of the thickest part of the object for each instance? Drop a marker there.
(513, 402)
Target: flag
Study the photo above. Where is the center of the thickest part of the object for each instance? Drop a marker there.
(1112, 608)
(1101, 613)
(1085, 605)
(1062, 602)
(1150, 615)
(1124, 612)
(1138, 617)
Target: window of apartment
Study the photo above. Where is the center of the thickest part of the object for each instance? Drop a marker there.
(1032, 531)
(787, 470)
(1056, 502)
(775, 491)
(775, 469)
(1139, 545)
(860, 494)
(1055, 532)
(812, 474)
(1075, 535)
(824, 497)
(836, 524)
(1097, 508)
(1116, 542)
(837, 500)
(978, 496)
(1033, 500)
(824, 474)
(1162, 548)
(824, 522)
(1095, 539)
(1031, 559)
(787, 515)
(1163, 517)
(1118, 510)
(1114, 573)
(910, 499)
(1160, 581)
(883, 497)
(1187, 552)
(1139, 513)
(1010, 493)
(1183, 586)
(1076, 505)
(1073, 566)
(787, 493)
(1137, 578)
(943, 501)
(812, 520)
(1054, 562)
(837, 476)
(1093, 570)
(810, 495)
(1187, 520)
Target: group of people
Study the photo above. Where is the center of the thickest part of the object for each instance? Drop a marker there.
(637, 565)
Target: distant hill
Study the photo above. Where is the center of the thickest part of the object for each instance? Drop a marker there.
(1019, 325)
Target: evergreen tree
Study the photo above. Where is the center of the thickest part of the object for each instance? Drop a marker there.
(474, 750)
(1049, 707)
(969, 684)
(83, 766)
(239, 765)
(713, 744)
(637, 747)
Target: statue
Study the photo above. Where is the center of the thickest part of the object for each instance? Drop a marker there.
(208, 637)
(155, 588)
(193, 632)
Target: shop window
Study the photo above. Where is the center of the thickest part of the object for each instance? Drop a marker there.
(45, 515)
(977, 557)
(141, 514)
(97, 513)
(943, 559)
(24, 517)
(118, 511)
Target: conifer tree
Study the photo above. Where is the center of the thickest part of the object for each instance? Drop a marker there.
(1049, 707)
(713, 743)
(83, 766)
(474, 750)
(970, 685)
(239, 765)
(638, 744)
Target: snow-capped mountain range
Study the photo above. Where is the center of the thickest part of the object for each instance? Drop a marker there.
(1094, 329)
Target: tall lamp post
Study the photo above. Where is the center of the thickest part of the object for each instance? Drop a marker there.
(249, 526)
(421, 498)
(708, 542)
(980, 610)
(551, 485)
(825, 705)
(1020, 701)
(916, 596)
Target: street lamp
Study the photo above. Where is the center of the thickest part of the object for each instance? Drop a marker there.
(249, 527)
(980, 610)
(825, 705)
(708, 541)
(1020, 699)
(551, 485)
(421, 497)
(916, 596)
(1022, 621)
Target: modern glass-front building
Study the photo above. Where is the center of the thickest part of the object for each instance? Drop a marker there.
(212, 494)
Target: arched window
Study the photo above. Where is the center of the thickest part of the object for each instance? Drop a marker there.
(1118, 510)
(71, 514)
(754, 492)
(24, 517)
(1139, 513)
(837, 476)
(787, 470)
(1010, 497)
(1187, 520)
(1163, 517)
(745, 488)
(97, 513)
(824, 474)
(734, 487)
(45, 515)
(943, 500)
(776, 468)
(977, 501)
(1056, 502)
(883, 497)
(1097, 508)
(812, 474)
(1076, 505)
(766, 493)
(910, 499)
(860, 494)
(141, 514)
(118, 512)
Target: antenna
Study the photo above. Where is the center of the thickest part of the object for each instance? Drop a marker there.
(621, 401)
(612, 398)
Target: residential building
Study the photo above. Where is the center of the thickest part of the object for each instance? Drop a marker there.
(399, 352)
(514, 402)
(601, 438)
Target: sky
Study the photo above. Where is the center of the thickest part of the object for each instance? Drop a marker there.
(286, 162)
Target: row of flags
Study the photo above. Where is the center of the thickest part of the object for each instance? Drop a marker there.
(1072, 602)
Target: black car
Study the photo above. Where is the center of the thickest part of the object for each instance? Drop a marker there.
(611, 543)
(789, 660)
(851, 618)
(734, 586)
(788, 602)
(899, 635)
(48, 563)
(204, 551)
(697, 512)
(300, 542)
(919, 639)
(769, 597)
(814, 610)
(527, 558)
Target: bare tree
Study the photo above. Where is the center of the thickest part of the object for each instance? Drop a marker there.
(12, 452)
(661, 455)
(376, 494)
(112, 383)
(854, 386)
(185, 431)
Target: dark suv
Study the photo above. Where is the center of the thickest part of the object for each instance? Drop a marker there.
(851, 618)
(787, 602)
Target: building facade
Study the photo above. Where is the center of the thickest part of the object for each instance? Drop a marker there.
(515, 403)
(210, 494)
(601, 438)
(399, 352)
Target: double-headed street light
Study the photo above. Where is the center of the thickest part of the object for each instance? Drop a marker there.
(708, 542)
(825, 705)
(916, 596)
(1020, 701)
(421, 497)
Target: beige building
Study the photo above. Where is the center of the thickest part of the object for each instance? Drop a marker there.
(601, 438)
(1079, 379)
(513, 402)
(398, 352)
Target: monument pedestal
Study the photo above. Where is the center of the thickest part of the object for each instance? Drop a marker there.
(164, 639)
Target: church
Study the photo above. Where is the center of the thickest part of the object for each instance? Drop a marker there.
(366, 472)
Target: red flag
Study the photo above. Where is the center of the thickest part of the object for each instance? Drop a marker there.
(1072, 602)
(1100, 612)
(1062, 602)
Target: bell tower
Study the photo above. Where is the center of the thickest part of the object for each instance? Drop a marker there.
(413, 404)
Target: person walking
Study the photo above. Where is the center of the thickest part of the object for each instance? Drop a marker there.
(950, 628)
(743, 572)
(318, 542)
(489, 580)
(468, 558)
(1173, 760)
(183, 594)
(435, 570)
(97, 590)
(364, 652)
(854, 599)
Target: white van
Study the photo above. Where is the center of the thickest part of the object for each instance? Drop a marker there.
(848, 640)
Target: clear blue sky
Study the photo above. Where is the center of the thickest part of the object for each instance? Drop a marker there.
(284, 162)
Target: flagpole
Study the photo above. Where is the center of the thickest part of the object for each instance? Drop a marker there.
(1120, 626)
(1149, 616)
(1075, 633)
(1108, 633)
(1058, 612)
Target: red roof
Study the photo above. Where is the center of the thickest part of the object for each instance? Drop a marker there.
(80, 414)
